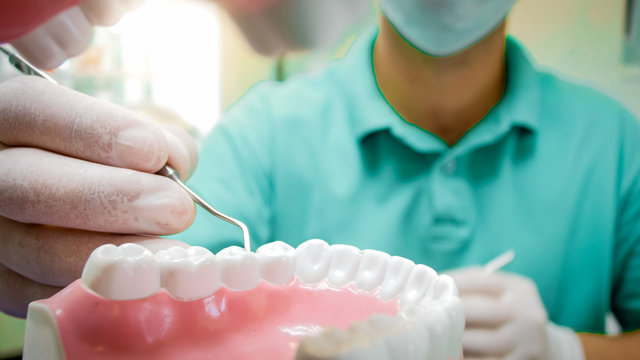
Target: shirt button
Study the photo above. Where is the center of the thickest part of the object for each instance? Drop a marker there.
(449, 167)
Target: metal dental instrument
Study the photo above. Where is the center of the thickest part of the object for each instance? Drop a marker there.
(26, 68)
(169, 172)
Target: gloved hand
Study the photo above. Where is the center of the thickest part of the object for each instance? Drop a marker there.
(62, 35)
(76, 173)
(505, 319)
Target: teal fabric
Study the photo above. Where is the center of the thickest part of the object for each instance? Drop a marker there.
(552, 172)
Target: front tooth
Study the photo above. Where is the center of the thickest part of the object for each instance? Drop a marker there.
(312, 261)
(417, 285)
(126, 272)
(188, 274)
(239, 268)
(278, 263)
(344, 264)
(395, 278)
(371, 271)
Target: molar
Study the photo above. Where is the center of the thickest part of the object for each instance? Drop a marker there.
(409, 341)
(239, 268)
(278, 263)
(373, 265)
(443, 297)
(324, 346)
(188, 274)
(436, 325)
(443, 287)
(404, 337)
(382, 322)
(312, 261)
(338, 344)
(443, 320)
(395, 278)
(126, 272)
(418, 283)
(343, 266)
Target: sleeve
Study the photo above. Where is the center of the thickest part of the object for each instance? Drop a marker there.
(234, 176)
(626, 287)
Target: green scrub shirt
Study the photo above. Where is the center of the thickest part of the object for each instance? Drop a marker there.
(552, 172)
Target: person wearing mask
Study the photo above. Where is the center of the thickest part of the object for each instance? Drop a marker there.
(437, 138)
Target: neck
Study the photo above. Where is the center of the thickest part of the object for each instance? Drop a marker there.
(446, 96)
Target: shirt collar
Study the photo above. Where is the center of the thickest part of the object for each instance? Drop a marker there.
(519, 106)
(370, 111)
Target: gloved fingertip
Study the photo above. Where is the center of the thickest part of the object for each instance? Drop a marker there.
(141, 148)
(157, 244)
(180, 156)
(164, 212)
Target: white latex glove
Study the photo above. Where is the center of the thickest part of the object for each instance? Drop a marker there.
(68, 33)
(76, 173)
(505, 319)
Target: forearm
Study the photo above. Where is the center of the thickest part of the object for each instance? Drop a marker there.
(625, 346)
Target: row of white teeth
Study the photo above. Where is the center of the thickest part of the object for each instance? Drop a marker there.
(132, 272)
(429, 323)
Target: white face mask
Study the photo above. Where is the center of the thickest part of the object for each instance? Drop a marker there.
(445, 27)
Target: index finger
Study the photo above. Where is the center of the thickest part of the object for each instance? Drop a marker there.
(36, 113)
(475, 281)
(484, 312)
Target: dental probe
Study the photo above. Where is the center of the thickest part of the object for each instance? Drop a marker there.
(499, 262)
(26, 68)
(169, 172)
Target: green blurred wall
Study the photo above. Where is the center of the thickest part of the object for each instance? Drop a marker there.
(11, 336)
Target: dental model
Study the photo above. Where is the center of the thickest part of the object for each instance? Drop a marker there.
(314, 302)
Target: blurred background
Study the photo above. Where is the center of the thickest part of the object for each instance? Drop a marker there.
(186, 62)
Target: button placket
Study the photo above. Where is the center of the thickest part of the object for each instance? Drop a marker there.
(451, 202)
(449, 166)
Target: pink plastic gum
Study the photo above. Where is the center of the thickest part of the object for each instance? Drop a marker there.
(268, 320)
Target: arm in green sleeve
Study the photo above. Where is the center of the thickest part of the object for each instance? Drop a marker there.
(233, 175)
(626, 296)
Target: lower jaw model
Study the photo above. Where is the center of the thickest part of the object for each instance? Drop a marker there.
(314, 302)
